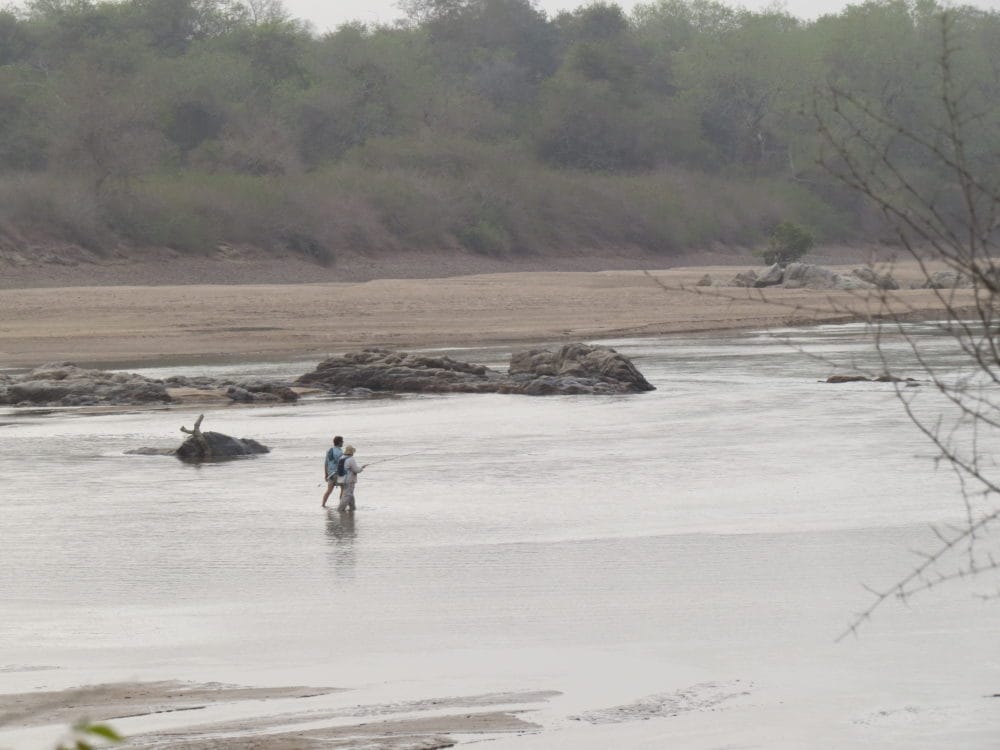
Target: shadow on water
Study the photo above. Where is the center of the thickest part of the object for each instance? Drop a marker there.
(341, 532)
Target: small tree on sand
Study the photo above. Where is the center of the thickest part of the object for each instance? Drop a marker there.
(787, 242)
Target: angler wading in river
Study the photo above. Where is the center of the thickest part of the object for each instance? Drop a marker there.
(342, 470)
(333, 456)
(347, 473)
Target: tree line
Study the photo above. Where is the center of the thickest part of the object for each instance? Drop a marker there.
(482, 125)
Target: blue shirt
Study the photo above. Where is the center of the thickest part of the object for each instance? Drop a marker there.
(332, 457)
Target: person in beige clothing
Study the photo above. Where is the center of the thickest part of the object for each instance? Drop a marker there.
(351, 469)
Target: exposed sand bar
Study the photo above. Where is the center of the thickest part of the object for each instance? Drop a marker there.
(123, 324)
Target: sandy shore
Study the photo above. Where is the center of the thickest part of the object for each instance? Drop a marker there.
(123, 325)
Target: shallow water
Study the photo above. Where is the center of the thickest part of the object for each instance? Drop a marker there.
(714, 531)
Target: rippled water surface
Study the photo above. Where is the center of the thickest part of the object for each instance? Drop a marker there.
(716, 529)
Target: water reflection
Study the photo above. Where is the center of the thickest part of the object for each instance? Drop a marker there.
(341, 532)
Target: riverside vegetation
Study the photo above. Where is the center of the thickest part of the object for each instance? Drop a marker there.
(476, 125)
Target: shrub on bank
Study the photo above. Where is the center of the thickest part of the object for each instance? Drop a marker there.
(398, 194)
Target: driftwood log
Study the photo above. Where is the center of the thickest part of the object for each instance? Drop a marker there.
(199, 437)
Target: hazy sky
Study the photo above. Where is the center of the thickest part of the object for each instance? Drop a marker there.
(327, 14)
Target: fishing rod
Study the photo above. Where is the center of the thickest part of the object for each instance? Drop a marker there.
(392, 458)
(385, 460)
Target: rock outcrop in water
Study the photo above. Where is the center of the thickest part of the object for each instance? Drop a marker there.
(573, 369)
(65, 384)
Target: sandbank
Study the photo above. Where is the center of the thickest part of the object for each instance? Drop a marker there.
(201, 323)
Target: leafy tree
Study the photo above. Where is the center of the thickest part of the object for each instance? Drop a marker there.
(14, 40)
(747, 82)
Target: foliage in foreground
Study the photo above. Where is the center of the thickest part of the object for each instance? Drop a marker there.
(85, 734)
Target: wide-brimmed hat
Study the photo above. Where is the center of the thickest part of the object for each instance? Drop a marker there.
(349, 450)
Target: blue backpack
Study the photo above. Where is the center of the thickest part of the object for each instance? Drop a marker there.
(341, 469)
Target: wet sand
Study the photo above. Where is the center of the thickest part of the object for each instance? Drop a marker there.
(190, 324)
(413, 725)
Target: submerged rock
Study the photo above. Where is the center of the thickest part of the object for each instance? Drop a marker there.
(574, 368)
(214, 446)
(151, 452)
(884, 378)
(200, 446)
(847, 379)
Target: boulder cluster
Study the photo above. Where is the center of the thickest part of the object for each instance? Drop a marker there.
(572, 369)
(811, 276)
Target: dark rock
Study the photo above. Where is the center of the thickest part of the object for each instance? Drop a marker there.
(847, 379)
(705, 280)
(219, 447)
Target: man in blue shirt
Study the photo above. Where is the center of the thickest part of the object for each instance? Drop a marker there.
(330, 467)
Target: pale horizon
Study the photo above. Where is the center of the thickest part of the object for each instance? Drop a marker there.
(327, 16)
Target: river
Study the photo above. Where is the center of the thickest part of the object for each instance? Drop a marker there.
(676, 564)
